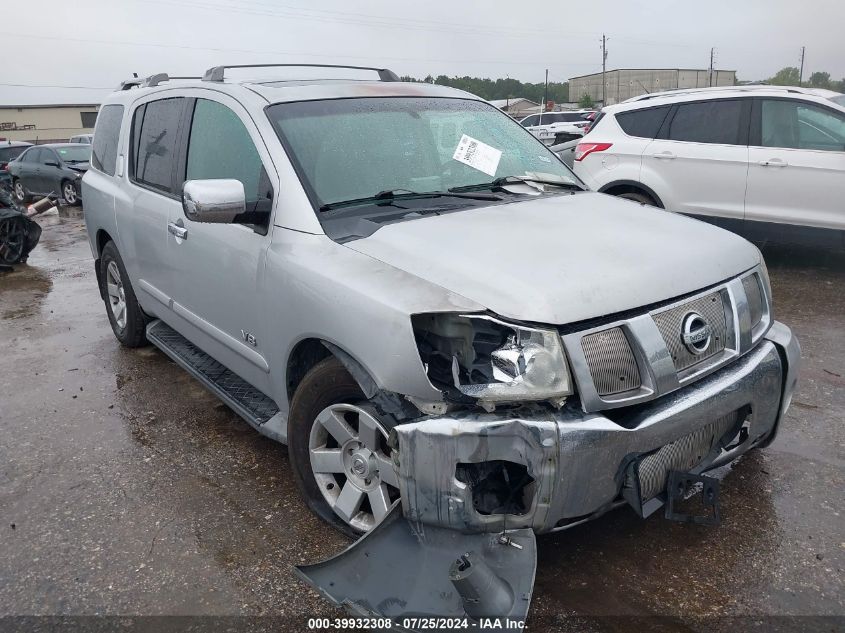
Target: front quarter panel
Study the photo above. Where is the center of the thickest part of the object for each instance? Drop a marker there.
(316, 288)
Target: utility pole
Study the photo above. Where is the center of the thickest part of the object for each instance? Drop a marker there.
(603, 69)
(545, 97)
(801, 71)
(712, 56)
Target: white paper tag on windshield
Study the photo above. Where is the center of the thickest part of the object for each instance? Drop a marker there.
(477, 155)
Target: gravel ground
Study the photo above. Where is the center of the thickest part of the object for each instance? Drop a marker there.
(127, 489)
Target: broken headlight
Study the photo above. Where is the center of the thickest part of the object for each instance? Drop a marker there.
(490, 360)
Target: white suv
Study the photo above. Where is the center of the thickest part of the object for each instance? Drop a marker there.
(762, 160)
(557, 127)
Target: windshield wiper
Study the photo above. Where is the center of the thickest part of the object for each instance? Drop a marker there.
(499, 183)
(389, 195)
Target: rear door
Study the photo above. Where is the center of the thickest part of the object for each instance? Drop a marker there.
(154, 198)
(796, 171)
(699, 162)
(29, 169)
(219, 266)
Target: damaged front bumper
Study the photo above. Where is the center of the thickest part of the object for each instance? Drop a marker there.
(577, 463)
(480, 485)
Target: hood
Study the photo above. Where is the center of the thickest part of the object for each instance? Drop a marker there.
(80, 167)
(563, 259)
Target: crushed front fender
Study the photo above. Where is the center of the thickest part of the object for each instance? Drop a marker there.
(407, 571)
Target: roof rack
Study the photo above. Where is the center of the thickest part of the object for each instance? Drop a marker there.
(149, 82)
(743, 88)
(217, 72)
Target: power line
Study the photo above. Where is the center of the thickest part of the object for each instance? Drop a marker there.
(371, 58)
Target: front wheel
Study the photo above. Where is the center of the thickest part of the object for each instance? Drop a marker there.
(128, 321)
(339, 451)
(69, 193)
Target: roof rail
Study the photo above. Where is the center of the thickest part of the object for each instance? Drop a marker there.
(149, 82)
(217, 72)
(706, 89)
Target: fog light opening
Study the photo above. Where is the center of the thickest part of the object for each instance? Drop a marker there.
(498, 486)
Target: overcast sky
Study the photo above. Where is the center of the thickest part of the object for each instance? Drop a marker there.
(97, 43)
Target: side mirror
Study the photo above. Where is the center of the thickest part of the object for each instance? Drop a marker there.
(51, 163)
(218, 201)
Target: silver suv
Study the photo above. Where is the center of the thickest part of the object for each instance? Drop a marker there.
(460, 344)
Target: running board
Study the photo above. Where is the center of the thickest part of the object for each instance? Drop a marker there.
(258, 409)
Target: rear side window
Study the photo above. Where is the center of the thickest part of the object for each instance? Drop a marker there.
(104, 147)
(532, 120)
(642, 123)
(707, 122)
(155, 135)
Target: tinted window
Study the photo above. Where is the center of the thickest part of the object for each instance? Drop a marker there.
(104, 147)
(220, 147)
(642, 123)
(89, 119)
(797, 125)
(11, 153)
(31, 156)
(46, 155)
(157, 143)
(532, 120)
(707, 122)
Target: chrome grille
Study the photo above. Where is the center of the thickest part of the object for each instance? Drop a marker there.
(755, 298)
(611, 362)
(670, 324)
(682, 454)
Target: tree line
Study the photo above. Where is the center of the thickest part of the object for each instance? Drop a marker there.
(507, 88)
(790, 76)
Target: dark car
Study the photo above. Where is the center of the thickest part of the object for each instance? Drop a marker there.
(50, 169)
(9, 151)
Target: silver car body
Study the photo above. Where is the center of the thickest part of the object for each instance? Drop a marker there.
(581, 264)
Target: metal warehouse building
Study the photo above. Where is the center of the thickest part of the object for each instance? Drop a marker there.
(625, 83)
(46, 123)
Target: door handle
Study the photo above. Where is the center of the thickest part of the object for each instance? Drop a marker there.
(773, 162)
(179, 231)
(664, 155)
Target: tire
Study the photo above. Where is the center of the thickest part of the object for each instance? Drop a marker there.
(69, 193)
(20, 192)
(129, 324)
(636, 196)
(328, 387)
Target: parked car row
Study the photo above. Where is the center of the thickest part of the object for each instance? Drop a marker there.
(558, 127)
(50, 169)
(766, 161)
(9, 151)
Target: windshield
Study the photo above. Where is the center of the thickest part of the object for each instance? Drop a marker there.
(74, 154)
(353, 149)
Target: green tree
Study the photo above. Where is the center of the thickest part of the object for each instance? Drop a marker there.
(586, 102)
(820, 80)
(785, 77)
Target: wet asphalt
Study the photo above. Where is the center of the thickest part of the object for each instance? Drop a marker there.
(127, 489)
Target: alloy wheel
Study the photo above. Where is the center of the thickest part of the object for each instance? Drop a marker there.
(351, 463)
(116, 294)
(69, 193)
(20, 192)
